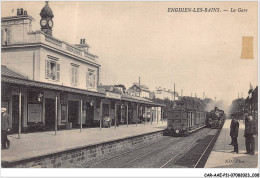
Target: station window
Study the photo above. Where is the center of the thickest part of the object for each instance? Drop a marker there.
(5, 36)
(74, 75)
(91, 78)
(52, 70)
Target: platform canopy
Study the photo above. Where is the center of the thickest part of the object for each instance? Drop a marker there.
(14, 78)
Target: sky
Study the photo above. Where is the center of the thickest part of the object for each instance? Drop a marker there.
(199, 52)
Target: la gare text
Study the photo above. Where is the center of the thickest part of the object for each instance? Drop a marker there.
(206, 10)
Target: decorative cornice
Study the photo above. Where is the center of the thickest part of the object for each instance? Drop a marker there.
(53, 58)
(20, 17)
(60, 41)
(75, 65)
(51, 48)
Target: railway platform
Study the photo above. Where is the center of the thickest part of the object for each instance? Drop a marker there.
(34, 145)
(221, 155)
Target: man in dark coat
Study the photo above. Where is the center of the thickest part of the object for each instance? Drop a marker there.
(250, 133)
(234, 134)
(5, 127)
(231, 128)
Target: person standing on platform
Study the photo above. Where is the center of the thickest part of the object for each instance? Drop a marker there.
(231, 128)
(250, 133)
(234, 134)
(5, 128)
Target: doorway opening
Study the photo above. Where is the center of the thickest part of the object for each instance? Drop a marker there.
(89, 115)
(49, 114)
(73, 113)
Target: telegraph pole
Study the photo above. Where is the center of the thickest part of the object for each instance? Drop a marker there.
(174, 93)
(139, 86)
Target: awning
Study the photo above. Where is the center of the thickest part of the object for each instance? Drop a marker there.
(140, 100)
(32, 83)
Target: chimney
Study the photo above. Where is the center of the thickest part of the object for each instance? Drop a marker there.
(18, 12)
(25, 12)
(21, 11)
(83, 40)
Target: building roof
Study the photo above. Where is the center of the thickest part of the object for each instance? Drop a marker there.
(110, 88)
(9, 18)
(142, 87)
(11, 73)
(121, 86)
(140, 100)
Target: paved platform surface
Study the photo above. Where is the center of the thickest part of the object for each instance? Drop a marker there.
(43, 143)
(221, 156)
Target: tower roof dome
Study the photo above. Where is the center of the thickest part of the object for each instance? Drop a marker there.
(46, 11)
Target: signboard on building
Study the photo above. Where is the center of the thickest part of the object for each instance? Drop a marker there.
(34, 113)
(113, 95)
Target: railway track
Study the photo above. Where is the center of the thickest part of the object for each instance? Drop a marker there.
(92, 165)
(157, 154)
(160, 149)
(149, 153)
(195, 157)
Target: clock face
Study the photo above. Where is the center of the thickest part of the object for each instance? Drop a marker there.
(43, 22)
(50, 23)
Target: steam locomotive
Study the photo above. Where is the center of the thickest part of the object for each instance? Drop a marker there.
(215, 118)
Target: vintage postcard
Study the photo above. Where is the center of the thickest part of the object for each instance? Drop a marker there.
(135, 84)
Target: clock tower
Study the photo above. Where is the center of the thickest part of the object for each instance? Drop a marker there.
(46, 19)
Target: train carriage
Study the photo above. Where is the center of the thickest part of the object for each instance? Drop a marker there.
(183, 122)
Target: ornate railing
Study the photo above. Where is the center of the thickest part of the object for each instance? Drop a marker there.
(69, 48)
(73, 50)
(89, 55)
(53, 41)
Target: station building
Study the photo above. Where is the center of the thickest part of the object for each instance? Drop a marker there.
(162, 93)
(139, 90)
(251, 103)
(49, 84)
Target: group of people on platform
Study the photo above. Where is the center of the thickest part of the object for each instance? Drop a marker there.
(249, 133)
